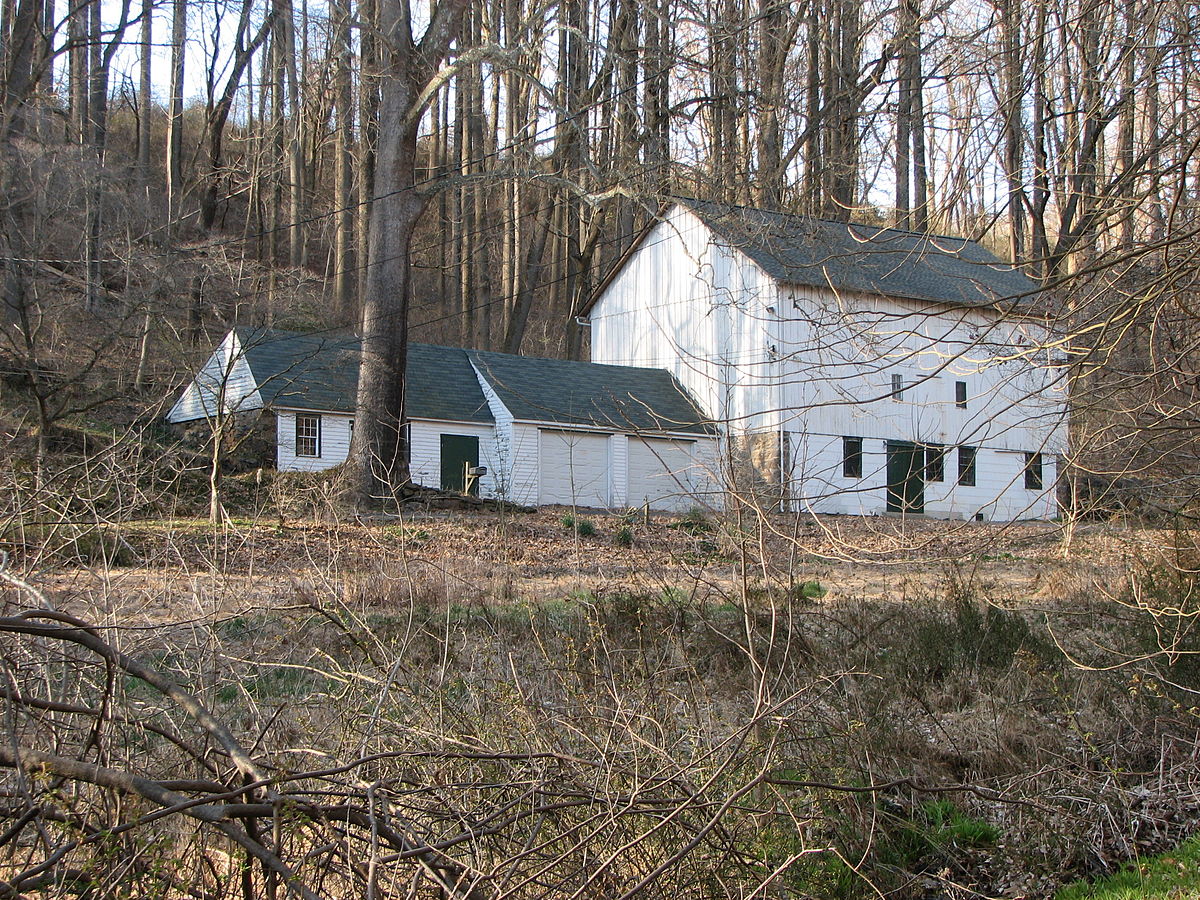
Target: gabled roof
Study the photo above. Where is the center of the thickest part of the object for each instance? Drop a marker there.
(623, 398)
(807, 251)
(320, 372)
(821, 253)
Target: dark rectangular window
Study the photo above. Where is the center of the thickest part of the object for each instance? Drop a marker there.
(897, 387)
(960, 394)
(935, 462)
(966, 465)
(1033, 471)
(308, 435)
(852, 457)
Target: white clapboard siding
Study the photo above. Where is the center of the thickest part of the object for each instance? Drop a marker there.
(516, 449)
(666, 473)
(425, 453)
(334, 444)
(226, 377)
(574, 468)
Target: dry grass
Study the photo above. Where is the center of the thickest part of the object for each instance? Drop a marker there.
(493, 656)
(476, 557)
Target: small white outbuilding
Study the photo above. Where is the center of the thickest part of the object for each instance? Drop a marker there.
(547, 431)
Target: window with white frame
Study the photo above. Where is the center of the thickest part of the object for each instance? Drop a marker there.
(897, 386)
(308, 435)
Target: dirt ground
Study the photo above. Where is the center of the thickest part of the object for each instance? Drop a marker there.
(179, 570)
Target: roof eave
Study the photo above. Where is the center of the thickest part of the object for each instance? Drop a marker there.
(586, 307)
(624, 428)
(1006, 305)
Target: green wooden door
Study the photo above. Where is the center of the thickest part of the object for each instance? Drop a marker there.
(905, 477)
(459, 452)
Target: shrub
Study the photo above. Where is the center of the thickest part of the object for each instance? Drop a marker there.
(624, 536)
(582, 527)
(970, 637)
(807, 590)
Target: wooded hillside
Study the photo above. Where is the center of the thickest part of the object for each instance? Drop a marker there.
(172, 168)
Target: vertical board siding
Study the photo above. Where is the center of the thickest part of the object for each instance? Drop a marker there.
(817, 364)
(575, 468)
(523, 473)
(618, 455)
(670, 474)
(818, 485)
(686, 303)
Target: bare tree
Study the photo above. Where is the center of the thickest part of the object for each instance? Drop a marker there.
(408, 69)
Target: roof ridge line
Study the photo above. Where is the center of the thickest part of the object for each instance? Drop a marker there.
(828, 221)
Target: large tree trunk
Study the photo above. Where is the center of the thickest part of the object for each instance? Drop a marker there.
(380, 458)
(25, 50)
(514, 335)
(368, 131)
(378, 461)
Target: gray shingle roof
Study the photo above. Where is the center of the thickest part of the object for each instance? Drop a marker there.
(320, 372)
(624, 398)
(814, 252)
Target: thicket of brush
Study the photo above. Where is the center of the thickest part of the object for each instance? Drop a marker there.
(385, 736)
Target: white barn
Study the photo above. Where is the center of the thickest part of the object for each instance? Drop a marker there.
(548, 431)
(856, 369)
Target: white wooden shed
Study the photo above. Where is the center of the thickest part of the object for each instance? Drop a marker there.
(547, 431)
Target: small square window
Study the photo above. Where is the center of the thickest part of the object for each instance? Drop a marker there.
(852, 457)
(960, 394)
(1033, 471)
(966, 465)
(897, 387)
(308, 435)
(935, 462)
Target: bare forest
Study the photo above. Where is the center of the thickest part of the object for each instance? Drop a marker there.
(221, 681)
